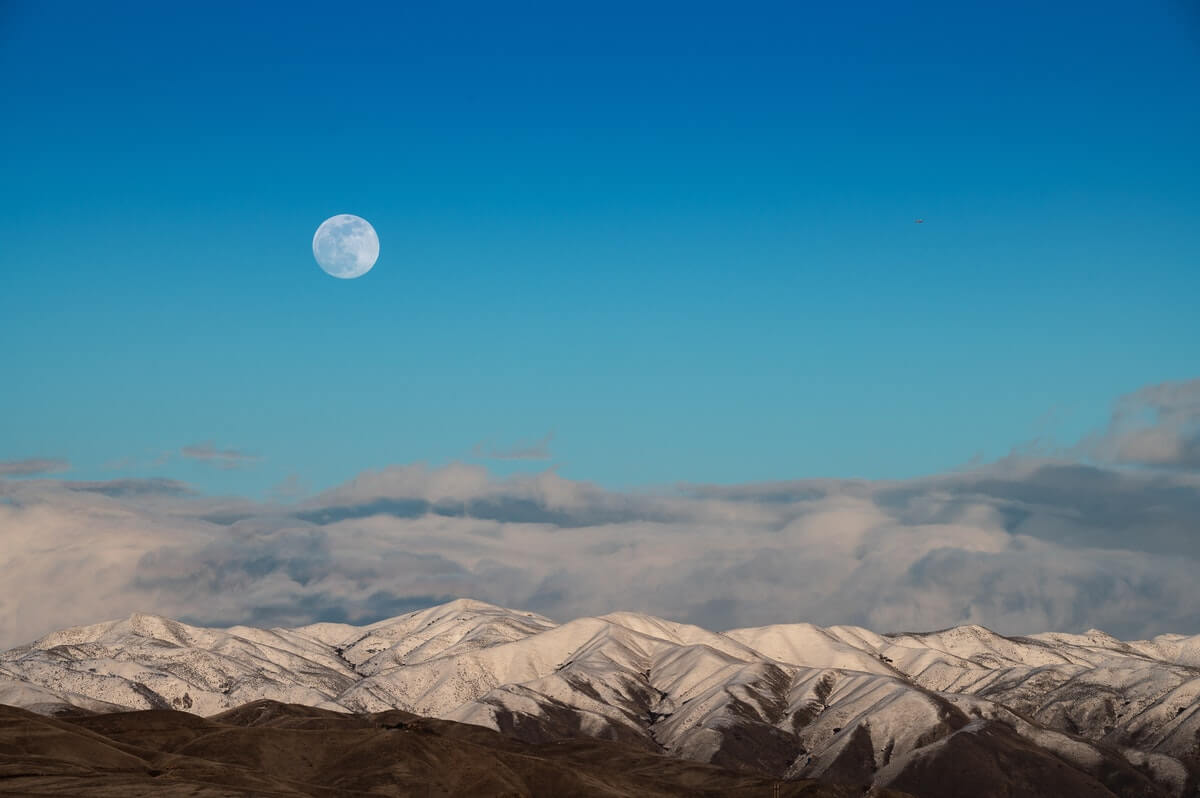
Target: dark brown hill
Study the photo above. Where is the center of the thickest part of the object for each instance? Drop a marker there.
(271, 749)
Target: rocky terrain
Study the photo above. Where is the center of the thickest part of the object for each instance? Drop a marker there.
(962, 711)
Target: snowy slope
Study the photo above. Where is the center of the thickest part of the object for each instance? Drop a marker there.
(842, 703)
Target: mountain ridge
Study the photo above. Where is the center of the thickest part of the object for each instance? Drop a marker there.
(788, 700)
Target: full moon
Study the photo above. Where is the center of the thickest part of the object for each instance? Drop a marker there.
(346, 246)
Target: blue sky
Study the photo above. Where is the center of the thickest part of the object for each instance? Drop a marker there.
(681, 240)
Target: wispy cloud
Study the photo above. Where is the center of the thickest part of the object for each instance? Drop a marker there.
(528, 450)
(225, 459)
(133, 488)
(33, 466)
(292, 487)
(1157, 426)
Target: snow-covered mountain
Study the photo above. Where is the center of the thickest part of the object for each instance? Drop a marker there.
(1086, 714)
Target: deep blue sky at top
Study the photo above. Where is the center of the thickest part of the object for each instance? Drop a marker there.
(680, 236)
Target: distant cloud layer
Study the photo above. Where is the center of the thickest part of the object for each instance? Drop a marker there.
(33, 466)
(1023, 545)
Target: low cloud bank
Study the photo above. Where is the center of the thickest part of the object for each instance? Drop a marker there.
(1047, 546)
(1019, 546)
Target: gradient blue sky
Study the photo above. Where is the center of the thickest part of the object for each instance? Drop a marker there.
(680, 239)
